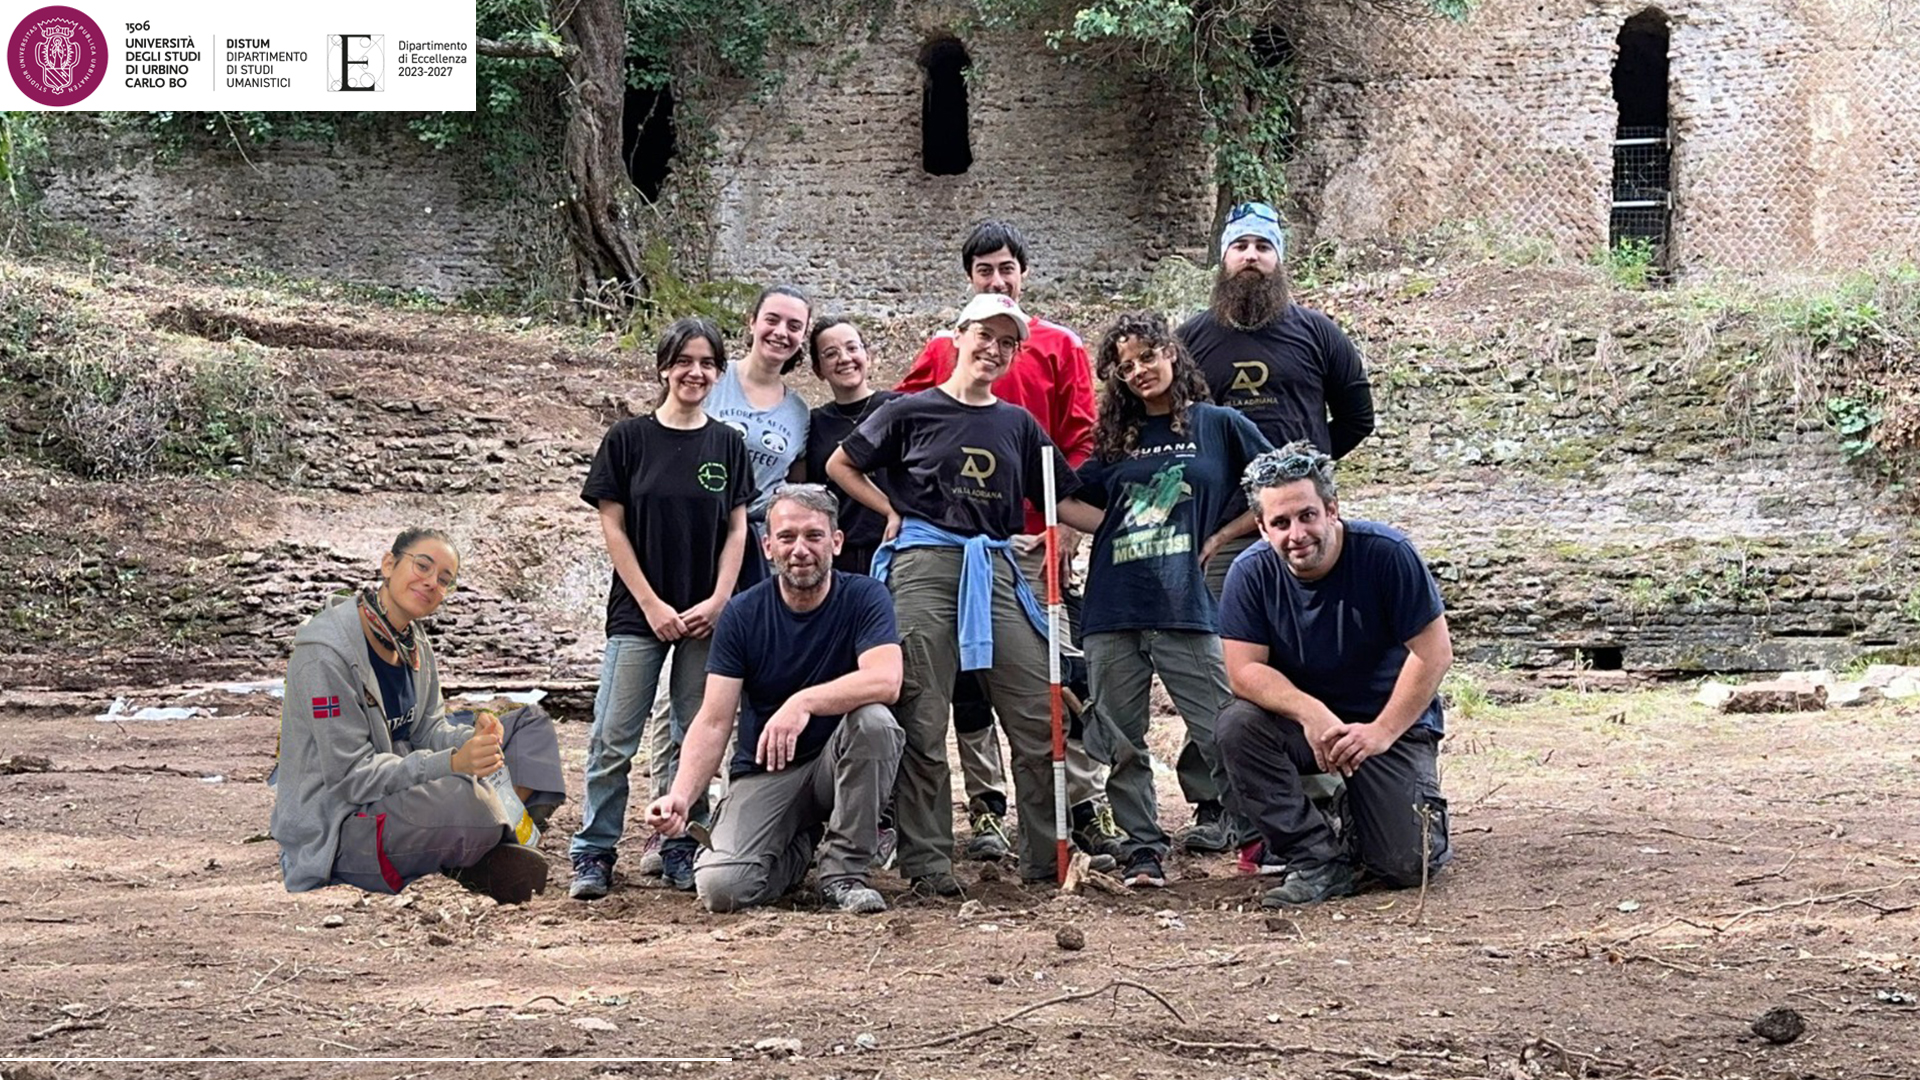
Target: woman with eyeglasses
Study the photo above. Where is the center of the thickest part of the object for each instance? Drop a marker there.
(373, 787)
(841, 360)
(672, 489)
(962, 465)
(1165, 470)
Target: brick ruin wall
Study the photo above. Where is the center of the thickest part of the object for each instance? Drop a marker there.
(1794, 122)
(383, 210)
(823, 185)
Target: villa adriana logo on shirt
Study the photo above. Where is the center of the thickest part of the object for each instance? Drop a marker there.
(712, 476)
(1249, 376)
(980, 464)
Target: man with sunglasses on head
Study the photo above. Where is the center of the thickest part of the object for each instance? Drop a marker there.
(1296, 375)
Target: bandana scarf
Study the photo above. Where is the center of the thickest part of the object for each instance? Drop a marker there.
(404, 644)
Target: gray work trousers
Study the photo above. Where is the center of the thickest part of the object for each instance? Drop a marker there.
(764, 829)
(980, 767)
(925, 583)
(1268, 756)
(1122, 665)
(429, 828)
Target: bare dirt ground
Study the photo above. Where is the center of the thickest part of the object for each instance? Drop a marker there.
(1637, 880)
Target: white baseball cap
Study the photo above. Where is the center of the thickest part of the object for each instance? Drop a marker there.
(987, 305)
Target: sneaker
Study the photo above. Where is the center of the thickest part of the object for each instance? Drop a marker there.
(676, 862)
(1095, 833)
(887, 851)
(989, 843)
(1256, 858)
(940, 883)
(510, 873)
(650, 856)
(1143, 868)
(1311, 886)
(1211, 832)
(592, 875)
(851, 895)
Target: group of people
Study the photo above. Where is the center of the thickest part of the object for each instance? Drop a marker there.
(812, 600)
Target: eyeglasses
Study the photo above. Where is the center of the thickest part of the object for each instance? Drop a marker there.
(425, 565)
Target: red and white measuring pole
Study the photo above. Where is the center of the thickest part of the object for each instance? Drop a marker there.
(1055, 706)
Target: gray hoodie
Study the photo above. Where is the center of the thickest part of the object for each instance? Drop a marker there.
(335, 755)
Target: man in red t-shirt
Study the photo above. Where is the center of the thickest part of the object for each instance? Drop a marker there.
(1052, 378)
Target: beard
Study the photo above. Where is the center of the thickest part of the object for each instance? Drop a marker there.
(804, 578)
(1249, 299)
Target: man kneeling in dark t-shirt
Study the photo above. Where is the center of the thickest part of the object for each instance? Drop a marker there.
(817, 655)
(1335, 641)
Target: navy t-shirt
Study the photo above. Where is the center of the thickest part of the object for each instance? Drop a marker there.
(1163, 499)
(677, 490)
(1341, 639)
(396, 695)
(969, 469)
(776, 652)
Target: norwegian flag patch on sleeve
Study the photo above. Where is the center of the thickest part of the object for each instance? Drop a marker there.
(326, 708)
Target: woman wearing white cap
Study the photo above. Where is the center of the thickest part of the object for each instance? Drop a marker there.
(961, 464)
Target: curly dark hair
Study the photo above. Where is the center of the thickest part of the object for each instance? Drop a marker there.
(1121, 410)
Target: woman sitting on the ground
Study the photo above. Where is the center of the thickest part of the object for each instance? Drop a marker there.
(1165, 469)
(374, 788)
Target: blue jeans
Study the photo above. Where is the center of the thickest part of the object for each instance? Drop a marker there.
(629, 674)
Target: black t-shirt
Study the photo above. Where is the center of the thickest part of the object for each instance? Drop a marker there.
(1163, 500)
(678, 489)
(1341, 639)
(396, 695)
(777, 652)
(828, 426)
(965, 468)
(1286, 377)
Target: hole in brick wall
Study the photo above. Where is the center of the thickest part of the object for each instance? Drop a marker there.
(1601, 658)
(1271, 46)
(1642, 156)
(647, 138)
(946, 145)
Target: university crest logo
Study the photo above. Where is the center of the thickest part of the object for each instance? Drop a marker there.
(57, 56)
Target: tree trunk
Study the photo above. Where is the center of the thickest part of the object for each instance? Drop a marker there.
(603, 207)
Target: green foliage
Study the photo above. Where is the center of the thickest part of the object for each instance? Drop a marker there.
(1854, 420)
(23, 146)
(671, 297)
(1630, 262)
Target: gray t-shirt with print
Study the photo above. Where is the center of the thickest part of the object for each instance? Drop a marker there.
(775, 437)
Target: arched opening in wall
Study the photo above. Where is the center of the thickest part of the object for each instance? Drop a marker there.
(1272, 49)
(946, 144)
(647, 138)
(1642, 151)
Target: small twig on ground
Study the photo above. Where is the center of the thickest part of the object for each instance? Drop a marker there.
(1003, 1021)
(1830, 898)
(63, 1026)
(1566, 1056)
(1488, 794)
(1426, 854)
(1782, 872)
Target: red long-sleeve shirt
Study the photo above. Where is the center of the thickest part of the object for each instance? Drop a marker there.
(1051, 377)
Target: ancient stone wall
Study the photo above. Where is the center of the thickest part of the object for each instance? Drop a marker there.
(824, 186)
(1793, 126)
(384, 209)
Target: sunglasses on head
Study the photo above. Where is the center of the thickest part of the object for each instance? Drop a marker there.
(1255, 210)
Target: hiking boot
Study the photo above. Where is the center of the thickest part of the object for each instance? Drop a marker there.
(939, 883)
(650, 856)
(1211, 832)
(542, 814)
(1257, 858)
(989, 843)
(1095, 833)
(1311, 886)
(510, 873)
(592, 875)
(676, 862)
(1143, 868)
(886, 851)
(853, 896)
